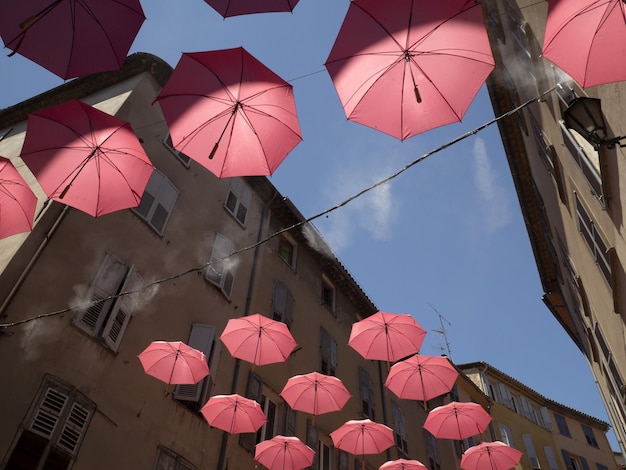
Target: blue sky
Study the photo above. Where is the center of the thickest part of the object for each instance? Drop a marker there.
(447, 234)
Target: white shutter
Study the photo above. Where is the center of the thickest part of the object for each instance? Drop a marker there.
(164, 204)
(506, 395)
(505, 435)
(552, 463)
(49, 412)
(74, 427)
(122, 310)
(545, 415)
(530, 451)
(220, 266)
(200, 338)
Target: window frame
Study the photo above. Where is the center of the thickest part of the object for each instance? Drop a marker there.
(328, 353)
(282, 303)
(399, 428)
(180, 156)
(164, 195)
(590, 436)
(367, 405)
(561, 424)
(291, 258)
(328, 295)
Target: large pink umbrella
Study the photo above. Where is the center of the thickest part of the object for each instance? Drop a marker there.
(407, 66)
(230, 113)
(421, 377)
(387, 336)
(403, 464)
(585, 38)
(86, 158)
(71, 37)
(490, 456)
(174, 362)
(233, 413)
(228, 8)
(258, 339)
(362, 436)
(284, 453)
(17, 201)
(457, 421)
(315, 393)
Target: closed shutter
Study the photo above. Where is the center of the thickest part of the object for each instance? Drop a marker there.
(122, 310)
(312, 440)
(282, 303)
(200, 338)
(545, 415)
(253, 391)
(290, 421)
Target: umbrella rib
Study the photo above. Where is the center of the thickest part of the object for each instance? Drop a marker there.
(27, 23)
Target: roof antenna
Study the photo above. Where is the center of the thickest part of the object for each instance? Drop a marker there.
(445, 349)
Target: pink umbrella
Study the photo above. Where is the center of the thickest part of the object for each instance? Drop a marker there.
(17, 201)
(315, 393)
(86, 158)
(233, 413)
(585, 39)
(457, 421)
(228, 8)
(230, 113)
(284, 453)
(258, 339)
(407, 66)
(71, 37)
(490, 456)
(362, 436)
(387, 336)
(402, 464)
(174, 362)
(421, 377)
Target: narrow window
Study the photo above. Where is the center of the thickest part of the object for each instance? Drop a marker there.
(328, 353)
(238, 200)
(222, 264)
(157, 201)
(184, 159)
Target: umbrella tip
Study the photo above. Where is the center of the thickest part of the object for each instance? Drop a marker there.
(64, 192)
(418, 97)
(212, 154)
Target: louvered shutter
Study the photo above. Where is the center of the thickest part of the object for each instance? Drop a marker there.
(74, 427)
(220, 270)
(530, 451)
(253, 391)
(122, 310)
(49, 412)
(200, 338)
(545, 415)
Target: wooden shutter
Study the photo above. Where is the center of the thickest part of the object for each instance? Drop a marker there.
(200, 338)
(122, 310)
(222, 248)
(282, 303)
(164, 204)
(290, 420)
(552, 463)
(74, 427)
(567, 459)
(49, 412)
(312, 440)
(253, 391)
(530, 451)
(545, 415)
(365, 389)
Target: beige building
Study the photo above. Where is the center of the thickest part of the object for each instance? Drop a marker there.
(570, 193)
(76, 395)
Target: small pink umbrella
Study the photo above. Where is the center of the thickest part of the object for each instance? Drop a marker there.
(360, 437)
(258, 339)
(457, 421)
(403, 464)
(315, 393)
(490, 456)
(421, 377)
(284, 453)
(174, 362)
(17, 201)
(228, 8)
(233, 413)
(387, 336)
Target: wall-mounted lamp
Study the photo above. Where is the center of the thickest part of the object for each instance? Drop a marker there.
(584, 115)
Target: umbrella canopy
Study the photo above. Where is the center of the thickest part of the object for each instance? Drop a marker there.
(17, 201)
(71, 37)
(315, 393)
(360, 437)
(585, 39)
(457, 420)
(490, 456)
(407, 66)
(403, 464)
(86, 158)
(228, 8)
(284, 453)
(174, 362)
(387, 336)
(421, 377)
(233, 413)
(230, 113)
(258, 339)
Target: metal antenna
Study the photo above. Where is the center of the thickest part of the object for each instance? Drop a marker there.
(442, 332)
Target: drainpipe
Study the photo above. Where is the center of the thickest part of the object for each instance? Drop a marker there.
(246, 312)
(382, 395)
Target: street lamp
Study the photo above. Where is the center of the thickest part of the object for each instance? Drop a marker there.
(584, 115)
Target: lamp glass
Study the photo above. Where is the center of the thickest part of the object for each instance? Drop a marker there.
(584, 115)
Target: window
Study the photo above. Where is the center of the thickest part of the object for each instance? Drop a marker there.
(157, 201)
(562, 425)
(506, 435)
(328, 353)
(222, 266)
(530, 451)
(169, 460)
(586, 157)
(432, 450)
(545, 417)
(201, 338)
(280, 418)
(107, 317)
(312, 440)
(591, 439)
(184, 159)
(595, 241)
(268, 430)
(366, 391)
(599, 466)
(325, 459)
(238, 200)
(328, 295)
(282, 304)
(53, 430)
(399, 428)
(287, 250)
(551, 458)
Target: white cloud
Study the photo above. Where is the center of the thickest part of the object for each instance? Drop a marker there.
(493, 198)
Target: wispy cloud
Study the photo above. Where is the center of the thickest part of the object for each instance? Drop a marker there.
(495, 205)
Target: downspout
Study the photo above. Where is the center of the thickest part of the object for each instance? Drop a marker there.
(246, 312)
(382, 395)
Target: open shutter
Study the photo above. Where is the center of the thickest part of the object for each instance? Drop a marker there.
(219, 267)
(545, 414)
(552, 463)
(312, 440)
(49, 412)
(74, 427)
(200, 338)
(122, 309)
(253, 391)
(567, 459)
(530, 451)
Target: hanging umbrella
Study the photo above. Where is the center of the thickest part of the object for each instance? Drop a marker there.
(228, 8)
(585, 38)
(230, 113)
(86, 158)
(457, 421)
(258, 339)
(284, 453)
(315, 393)
(403, 464)
(71, 37)
(17, 201)
(490, 456)
(387, 336)
(407, 66)
(174, 362)
(421, 377)
(362, 436)
(233, 413)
